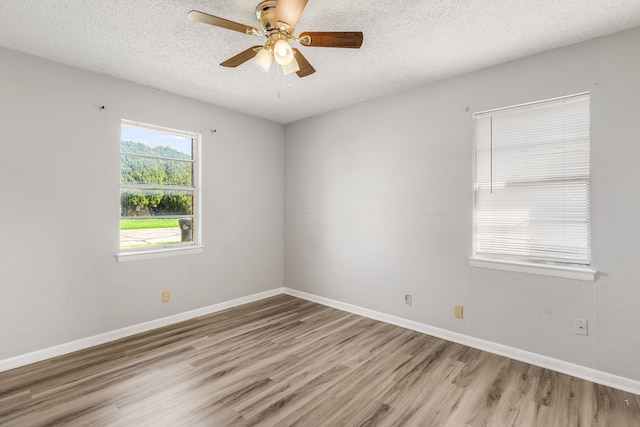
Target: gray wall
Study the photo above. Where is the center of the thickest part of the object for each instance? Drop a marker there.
(59, 181)
(378, 204)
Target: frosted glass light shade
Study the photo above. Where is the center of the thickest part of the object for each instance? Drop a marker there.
(264, 59)
(291, 67)
(282, 52)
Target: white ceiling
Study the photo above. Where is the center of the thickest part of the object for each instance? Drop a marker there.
(407, 43)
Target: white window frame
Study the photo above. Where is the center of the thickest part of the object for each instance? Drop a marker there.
(193, 247)
(513, 262)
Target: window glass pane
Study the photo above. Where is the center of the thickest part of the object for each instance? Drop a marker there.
(136, 202)
(136, 169)
(139, 140)
(155, 232)
(158, 187)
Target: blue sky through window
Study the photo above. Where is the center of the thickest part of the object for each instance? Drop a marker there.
(154, 138)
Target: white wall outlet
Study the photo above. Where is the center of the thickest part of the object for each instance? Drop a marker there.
(581, 327)
(408, 299)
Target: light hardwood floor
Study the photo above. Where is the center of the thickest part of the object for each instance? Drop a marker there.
(285, 361)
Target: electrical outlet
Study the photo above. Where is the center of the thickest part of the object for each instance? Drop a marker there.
(166, 296)
(581, 327)
(458, 311)
(408, 299)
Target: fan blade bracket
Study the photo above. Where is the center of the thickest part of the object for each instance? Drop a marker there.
(305, 40)
(283, 26)
(339, 39)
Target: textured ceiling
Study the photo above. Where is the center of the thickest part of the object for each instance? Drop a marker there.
(407, 43)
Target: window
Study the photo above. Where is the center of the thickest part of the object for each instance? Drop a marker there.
(158, 189)
(531, 189)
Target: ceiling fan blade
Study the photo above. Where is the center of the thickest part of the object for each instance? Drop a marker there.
(205, 18)
(288, 12)
(305, 68)
(348, 39)
(242, 57)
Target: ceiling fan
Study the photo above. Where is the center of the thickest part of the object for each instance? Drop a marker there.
(278, 19)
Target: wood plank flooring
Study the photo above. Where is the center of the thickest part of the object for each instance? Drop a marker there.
(284, 361)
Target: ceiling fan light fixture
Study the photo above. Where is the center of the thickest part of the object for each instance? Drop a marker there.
(291, 67)
(278, 19)
(282, 52)
(264, 59)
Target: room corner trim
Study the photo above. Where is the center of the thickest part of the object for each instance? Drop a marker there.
(83, 343)
(557, 365)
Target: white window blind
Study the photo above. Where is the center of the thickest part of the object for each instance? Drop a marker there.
(532, 180)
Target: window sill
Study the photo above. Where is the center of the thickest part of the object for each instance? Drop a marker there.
(578, 273)
(160, 253)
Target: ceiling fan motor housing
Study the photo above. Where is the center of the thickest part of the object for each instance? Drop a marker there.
(266, 12)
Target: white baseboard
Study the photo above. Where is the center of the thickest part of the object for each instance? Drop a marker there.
(81, 344)
(557, 365)
(578, 371)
